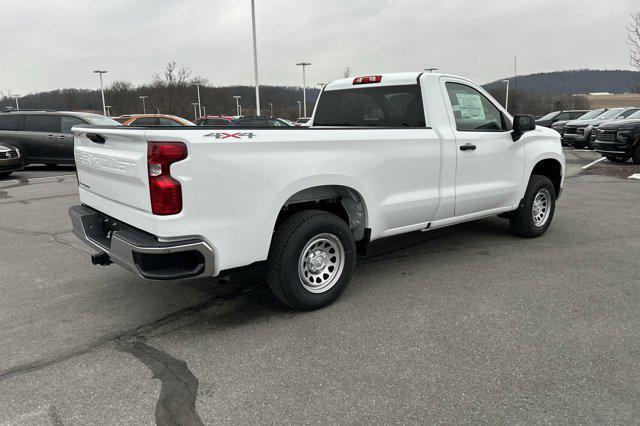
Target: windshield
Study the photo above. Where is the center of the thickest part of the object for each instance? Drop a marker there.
(635, 115)
(612, 113)
(591, 114)
(549, 116)
(100, 120)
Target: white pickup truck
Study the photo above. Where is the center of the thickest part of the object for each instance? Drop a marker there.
(384, 155)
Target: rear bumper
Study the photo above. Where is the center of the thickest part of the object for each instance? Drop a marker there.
(141, 252)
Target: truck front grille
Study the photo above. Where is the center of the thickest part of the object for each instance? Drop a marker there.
(606, 136)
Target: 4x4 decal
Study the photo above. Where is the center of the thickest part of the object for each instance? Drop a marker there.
(235, 135)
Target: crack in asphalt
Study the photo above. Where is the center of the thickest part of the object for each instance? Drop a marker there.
(177, 401)
(54, 236)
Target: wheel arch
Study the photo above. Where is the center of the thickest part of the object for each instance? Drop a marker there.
(342, 200)
(551, 168)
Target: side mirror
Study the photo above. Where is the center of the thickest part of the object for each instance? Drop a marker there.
(522, 123)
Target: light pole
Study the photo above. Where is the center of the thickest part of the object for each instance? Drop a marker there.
(16, 98)
(431, 69)
(104, 106)
(108, 107)
(299, 109)
(237, 98)
(204, 111)
(304, 84)
(506, 98)
(157, 110)
(144, 104)
(255, 55)
(197, 84)
(271, 108)
(195, 112)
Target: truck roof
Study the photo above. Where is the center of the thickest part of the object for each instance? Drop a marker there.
(387, 79)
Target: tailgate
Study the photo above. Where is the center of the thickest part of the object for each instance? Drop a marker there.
(113, 165)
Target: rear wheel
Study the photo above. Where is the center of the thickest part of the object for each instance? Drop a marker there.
(535, 212)
(311, 259)
(622, 159)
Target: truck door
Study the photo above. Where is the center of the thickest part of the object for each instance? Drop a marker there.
(490, 165)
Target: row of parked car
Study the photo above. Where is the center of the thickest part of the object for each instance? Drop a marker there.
(615, 132)
(45, 137)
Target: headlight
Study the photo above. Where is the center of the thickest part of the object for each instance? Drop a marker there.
(623, 136)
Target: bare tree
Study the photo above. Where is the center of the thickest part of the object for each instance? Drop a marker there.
(347, 72)
(633, 40)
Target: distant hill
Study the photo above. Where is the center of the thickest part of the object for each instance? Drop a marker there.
(574, 82)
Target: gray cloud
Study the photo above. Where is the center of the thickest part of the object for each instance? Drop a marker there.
(52, 44)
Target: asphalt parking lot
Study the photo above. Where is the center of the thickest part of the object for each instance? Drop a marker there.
(466, 324)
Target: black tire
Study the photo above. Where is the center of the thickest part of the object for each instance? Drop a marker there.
(5, 174)
(636, 154)
(522, 220)
(617, 159)
(290, 239)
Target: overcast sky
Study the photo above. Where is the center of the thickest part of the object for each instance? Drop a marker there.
(56, 44)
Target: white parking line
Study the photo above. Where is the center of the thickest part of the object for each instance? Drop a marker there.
(595, 162)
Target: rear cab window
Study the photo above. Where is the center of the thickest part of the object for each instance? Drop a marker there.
(386, 106)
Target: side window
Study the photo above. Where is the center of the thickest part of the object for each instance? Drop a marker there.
(563, 116)
(473, 111)
(41, 123)
(277, 123)
(67, 122)
(9, 121)
(145, 121)
(167, 122)
(575, 115)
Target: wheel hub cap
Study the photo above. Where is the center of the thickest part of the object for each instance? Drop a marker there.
(321, 263)
(541, 207)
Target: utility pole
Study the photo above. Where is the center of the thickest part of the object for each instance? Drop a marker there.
(144, 104)
(299, 109)
(304, 65)
(255, 56)
(515, 83)
(195, 111)
(204, 111)
(104, 106)
(197, 83)
(108, 110)
(271, 108)
(506, 98)
(16, 98)
(237, 98)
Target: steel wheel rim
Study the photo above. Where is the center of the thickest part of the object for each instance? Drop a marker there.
(321, 263)
(541, 207)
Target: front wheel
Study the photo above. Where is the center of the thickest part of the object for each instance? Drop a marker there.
(636, 154)
(535, 212)
(615, 159)
(311, 259)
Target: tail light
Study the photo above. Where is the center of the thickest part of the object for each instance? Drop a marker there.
(367, 79)
(166, 193)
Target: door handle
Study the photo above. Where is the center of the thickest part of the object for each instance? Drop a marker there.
(468, 147)
(50, 136)
(61, 137)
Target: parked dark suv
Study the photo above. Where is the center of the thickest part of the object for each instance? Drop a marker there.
(44, 137)
(253, 121)
(620, 140)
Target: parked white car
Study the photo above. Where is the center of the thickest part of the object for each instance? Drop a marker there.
(384, 155)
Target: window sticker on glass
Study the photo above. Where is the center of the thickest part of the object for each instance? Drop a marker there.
(470, 106)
